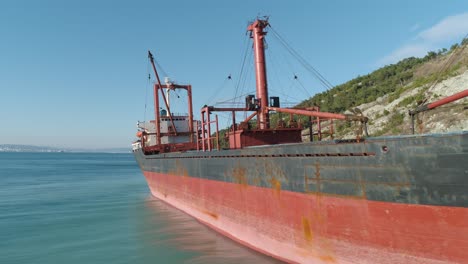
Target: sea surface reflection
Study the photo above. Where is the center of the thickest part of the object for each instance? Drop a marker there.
(167, 225)
(96, 208)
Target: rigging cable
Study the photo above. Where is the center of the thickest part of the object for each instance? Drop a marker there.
(295, 78)
(146, 88)
(274, 70)
(301, 85)
(216, 93)
(304, 63)
(246, 49)
(233, 100)
(292, 85)
(161, 68)
(247, 78)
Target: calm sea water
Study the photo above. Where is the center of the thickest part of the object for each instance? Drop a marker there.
(96, 208)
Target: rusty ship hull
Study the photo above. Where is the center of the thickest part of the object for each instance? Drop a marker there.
(383, 200)
(401, 199)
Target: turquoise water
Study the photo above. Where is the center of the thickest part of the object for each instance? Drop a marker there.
(96, 208)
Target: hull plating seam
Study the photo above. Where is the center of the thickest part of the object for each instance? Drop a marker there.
(272, 156)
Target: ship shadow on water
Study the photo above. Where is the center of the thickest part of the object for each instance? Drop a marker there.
(167, 225)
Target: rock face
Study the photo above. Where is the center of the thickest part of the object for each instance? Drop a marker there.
(450, 117)
(389, 116)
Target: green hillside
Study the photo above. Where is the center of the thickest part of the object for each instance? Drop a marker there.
(392, 78)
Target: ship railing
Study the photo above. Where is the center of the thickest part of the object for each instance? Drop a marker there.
(205, 140)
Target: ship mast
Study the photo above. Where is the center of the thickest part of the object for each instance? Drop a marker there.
(257, 33)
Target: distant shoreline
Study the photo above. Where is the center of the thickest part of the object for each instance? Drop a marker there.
(15, 148)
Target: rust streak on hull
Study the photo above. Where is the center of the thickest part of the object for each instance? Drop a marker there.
(320, 228)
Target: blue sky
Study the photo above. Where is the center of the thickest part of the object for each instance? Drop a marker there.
(74, 73)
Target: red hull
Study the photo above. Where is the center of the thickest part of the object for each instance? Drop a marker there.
(309, 228)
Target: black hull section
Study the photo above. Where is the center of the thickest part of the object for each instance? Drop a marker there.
(422, 169)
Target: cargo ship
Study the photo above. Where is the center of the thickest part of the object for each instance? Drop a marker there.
(388, 199)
